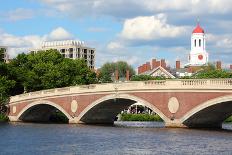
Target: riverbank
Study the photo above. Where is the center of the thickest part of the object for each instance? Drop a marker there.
(139, 117)
(3, 118)
(228, 120)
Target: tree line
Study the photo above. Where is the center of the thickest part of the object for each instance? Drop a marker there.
(49, 69)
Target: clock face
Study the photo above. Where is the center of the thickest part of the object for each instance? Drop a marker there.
(200, 57)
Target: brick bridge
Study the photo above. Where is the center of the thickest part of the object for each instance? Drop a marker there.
(180, 103)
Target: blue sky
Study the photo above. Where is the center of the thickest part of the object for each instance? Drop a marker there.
(131, 30)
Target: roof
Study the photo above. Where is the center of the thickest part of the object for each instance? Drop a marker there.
(198, 29)
(162, 69)
(62, 43)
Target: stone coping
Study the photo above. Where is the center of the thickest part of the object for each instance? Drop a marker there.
(130, 86)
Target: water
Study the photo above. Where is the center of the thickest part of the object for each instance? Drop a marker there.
(57, 139)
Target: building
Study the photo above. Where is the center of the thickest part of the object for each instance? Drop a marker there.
(198, 55)
(198, 58)
(4, 56)
(72, 49)
(155, 69)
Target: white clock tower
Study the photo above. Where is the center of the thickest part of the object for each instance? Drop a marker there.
(198, 55)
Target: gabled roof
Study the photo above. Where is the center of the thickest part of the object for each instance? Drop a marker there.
(159, 68)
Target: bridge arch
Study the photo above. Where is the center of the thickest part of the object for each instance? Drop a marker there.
(211, 113)
(40, 103)
(123, 101)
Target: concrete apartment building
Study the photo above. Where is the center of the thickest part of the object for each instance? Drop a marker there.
(5, 56)
(72, 49)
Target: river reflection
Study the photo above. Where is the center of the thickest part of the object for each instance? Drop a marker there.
(26, 138)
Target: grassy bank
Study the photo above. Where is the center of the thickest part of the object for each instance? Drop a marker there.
(140, 117)
(3, 118)
(228, 120)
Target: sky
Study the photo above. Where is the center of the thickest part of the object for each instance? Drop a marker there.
(135, 31)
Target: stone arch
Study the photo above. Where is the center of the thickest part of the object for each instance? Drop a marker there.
(43, 102)
(121, 96)
(210, 113)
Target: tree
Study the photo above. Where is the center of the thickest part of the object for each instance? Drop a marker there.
(5, 87)
(47, 70)
(145, 78)
(107, 71)
(210, 71)
(2, 54)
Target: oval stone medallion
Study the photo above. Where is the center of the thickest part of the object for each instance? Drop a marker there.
(14, 109)
(74, 106)
(173, 105)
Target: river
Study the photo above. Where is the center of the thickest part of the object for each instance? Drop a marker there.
(57, 139)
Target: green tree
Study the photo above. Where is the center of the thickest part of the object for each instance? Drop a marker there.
(145, 78)
(210, 71)
(2, 53)
(48, 69)
(107, 71)
(5, 87)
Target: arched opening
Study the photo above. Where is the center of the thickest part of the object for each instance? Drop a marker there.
(43, 113)
(211, 116)
(106, 110)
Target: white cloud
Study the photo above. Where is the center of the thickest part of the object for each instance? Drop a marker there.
(120, 7)
(97, 29)
(150, 28)
(114, 46)
(19, 44)
(18, 14)
(59, 34)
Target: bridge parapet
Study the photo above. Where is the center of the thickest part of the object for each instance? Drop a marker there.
(157, 85)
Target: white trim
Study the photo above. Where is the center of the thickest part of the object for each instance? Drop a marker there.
(193, 90)
(43, 102)
(204, 105)
(122, 96)
(163, 70)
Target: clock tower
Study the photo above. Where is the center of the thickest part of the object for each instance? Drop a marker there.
(198, 55)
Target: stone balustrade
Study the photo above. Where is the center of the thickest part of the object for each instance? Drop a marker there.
(180, 84)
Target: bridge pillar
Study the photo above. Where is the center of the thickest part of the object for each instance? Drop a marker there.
(175, 124)
(13, 119)
(73, 121)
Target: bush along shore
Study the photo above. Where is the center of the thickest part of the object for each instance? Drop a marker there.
(3, 118)
(147, 117)
(228, 120)
(140, 117)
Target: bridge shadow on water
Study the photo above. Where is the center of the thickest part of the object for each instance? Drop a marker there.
(44, 113)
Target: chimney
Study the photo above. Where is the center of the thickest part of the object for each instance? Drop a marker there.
(139, 70)
(153, 63)
(157, 64)
(163, 63)
(148, 66)
(144, 68)
(127, 75)
(178, 64)
(116, 75)
(218, 65)
(190, 69)
(231, 67)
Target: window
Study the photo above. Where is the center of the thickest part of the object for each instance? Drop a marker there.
(200, 43)
(195, 42)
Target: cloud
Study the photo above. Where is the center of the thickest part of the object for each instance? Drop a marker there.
(59, 34)
(150, 28)
(114, 46)
(20, 44)
(97, 29)
(18, 14)
(120, 8)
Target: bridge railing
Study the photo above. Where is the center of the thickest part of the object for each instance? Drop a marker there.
(180, 84)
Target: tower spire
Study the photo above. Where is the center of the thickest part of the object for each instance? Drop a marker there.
(198, 21)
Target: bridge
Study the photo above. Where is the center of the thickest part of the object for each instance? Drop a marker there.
(180, 103)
